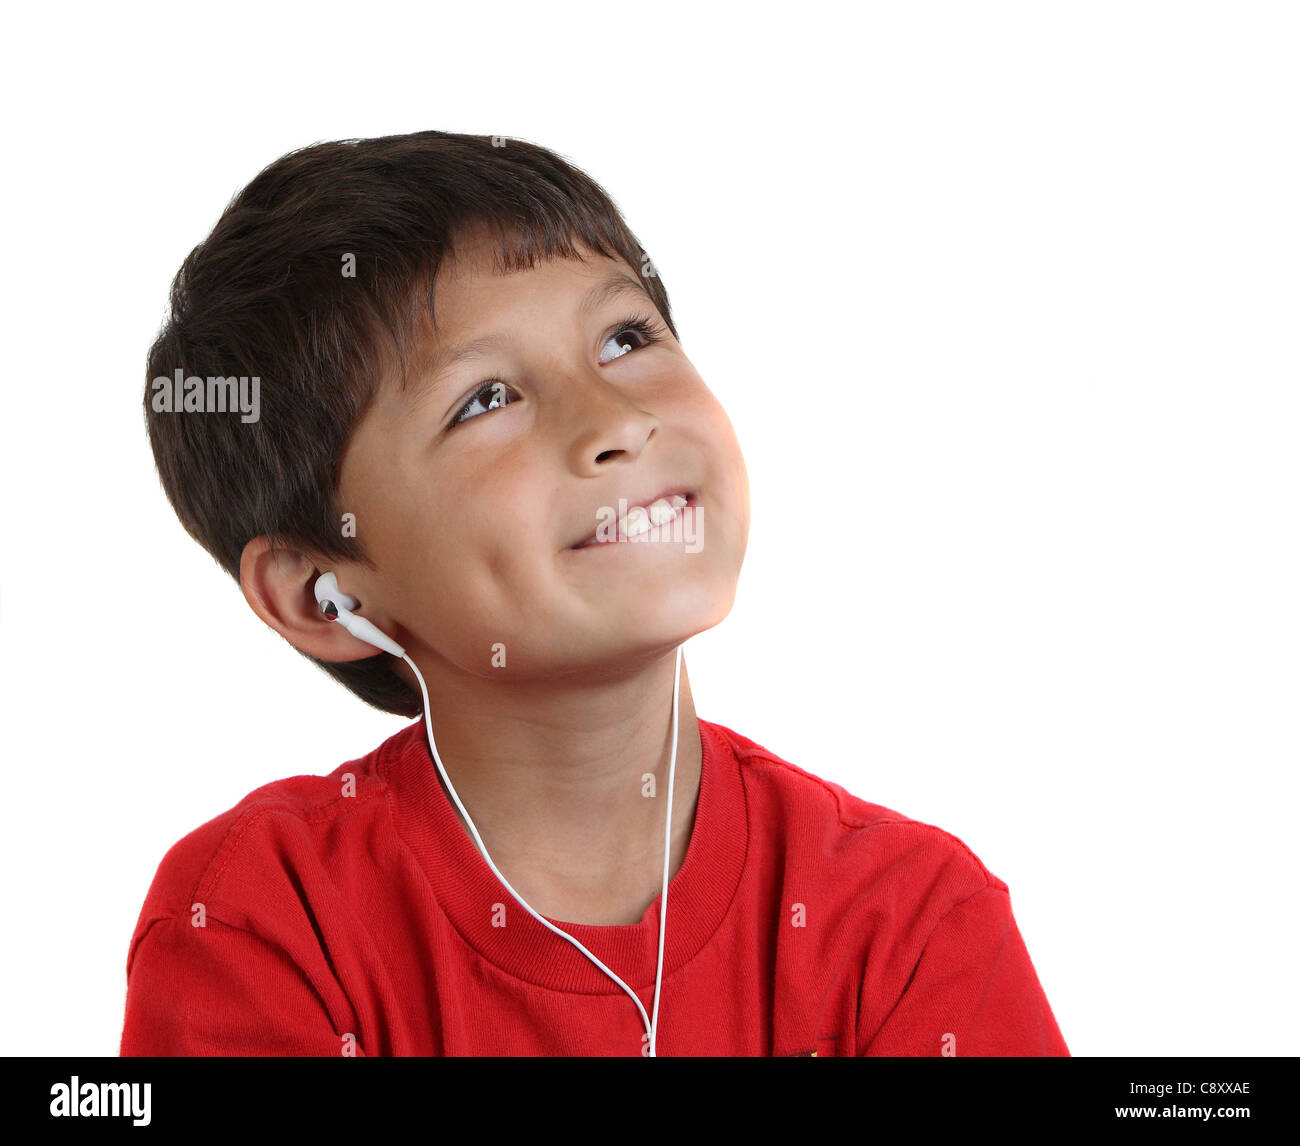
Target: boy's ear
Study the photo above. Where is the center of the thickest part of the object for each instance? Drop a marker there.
(280, 587)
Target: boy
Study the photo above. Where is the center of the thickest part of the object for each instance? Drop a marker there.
(479, 433)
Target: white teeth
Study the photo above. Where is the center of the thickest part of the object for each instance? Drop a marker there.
(662, 511)
(637, 521)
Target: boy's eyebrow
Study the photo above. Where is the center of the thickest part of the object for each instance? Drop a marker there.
(615, 285)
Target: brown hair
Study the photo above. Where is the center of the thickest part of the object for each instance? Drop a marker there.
(266, 296)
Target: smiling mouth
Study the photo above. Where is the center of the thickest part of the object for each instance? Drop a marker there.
(662, 510)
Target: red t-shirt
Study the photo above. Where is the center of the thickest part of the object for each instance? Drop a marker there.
(322, 916)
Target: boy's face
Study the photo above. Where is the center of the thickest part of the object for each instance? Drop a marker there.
(473, 523)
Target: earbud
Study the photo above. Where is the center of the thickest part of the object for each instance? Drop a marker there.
(338, 606)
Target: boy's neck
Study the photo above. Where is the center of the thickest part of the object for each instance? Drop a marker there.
(561, 789)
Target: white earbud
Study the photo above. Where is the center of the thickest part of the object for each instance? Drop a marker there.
(338, 606)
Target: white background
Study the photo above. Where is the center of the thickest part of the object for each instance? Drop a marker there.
(1001, 299)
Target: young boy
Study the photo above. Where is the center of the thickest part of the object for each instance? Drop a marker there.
(477, 431)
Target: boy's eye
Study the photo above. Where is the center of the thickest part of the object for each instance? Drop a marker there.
(646, 330)
(633, 334)
(488, 396)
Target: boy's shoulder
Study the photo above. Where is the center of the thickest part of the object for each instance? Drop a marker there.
(837, 826)
(272, 821)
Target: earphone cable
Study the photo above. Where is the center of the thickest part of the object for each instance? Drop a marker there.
(650, 1025)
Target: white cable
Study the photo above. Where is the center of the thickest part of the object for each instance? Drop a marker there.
(651, 1026)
